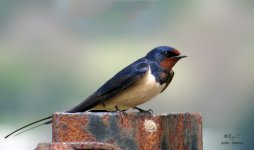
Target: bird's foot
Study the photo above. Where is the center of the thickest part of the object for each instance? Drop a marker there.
(150, 111)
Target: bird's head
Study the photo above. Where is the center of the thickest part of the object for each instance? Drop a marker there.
(166, 56)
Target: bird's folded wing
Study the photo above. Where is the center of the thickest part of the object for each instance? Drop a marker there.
(168, 80)
(122, 80)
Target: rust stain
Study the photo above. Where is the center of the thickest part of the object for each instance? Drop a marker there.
(180, 132)
(179, 129)
(105, 119)
(126, 121)
(148, 140)
(67, 128)
(199, 116)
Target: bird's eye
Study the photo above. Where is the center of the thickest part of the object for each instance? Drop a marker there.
(166, 53)
(169, 54)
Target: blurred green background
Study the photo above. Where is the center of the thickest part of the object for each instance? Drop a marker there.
(55, 53)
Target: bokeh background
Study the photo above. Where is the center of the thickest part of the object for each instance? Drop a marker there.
(55, 53)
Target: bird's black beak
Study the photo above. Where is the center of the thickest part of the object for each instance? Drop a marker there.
(180, 56)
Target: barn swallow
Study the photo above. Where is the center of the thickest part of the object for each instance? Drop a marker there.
(134, 85)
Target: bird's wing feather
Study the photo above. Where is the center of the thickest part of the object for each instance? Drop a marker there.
(122, 80)
(169, 79)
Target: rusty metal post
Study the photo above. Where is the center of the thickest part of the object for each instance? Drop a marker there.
(133, 131)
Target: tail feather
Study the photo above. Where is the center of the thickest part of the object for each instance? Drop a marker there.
(45, 123)
(46, 118)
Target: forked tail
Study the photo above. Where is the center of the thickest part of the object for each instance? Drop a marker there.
(28, 125)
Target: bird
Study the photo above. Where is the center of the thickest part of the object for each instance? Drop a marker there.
(136, 84)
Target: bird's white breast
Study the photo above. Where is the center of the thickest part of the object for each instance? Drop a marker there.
(142, 91)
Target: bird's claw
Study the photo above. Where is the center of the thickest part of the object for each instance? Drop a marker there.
(150, 111)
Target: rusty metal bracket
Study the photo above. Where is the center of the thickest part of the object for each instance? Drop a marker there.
(134, 131)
